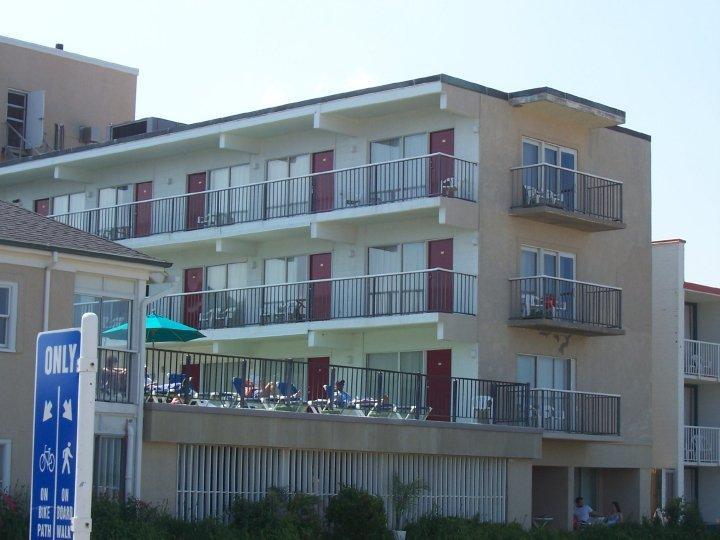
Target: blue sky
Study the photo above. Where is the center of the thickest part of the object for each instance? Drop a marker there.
(657, 60)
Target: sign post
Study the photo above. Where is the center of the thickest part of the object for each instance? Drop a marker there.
(63, 435)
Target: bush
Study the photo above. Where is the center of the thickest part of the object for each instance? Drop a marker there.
(355, 514)
(277, 515)
(14, 517)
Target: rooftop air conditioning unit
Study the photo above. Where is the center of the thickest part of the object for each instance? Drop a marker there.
(89, 134)
(140, 127)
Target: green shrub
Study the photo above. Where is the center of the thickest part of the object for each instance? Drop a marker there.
(355, 514)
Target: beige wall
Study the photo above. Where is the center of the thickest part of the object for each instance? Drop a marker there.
(17, 369)
(77, 93)
(160, 475)
(552, 494)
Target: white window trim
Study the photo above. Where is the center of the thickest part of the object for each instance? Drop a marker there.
(229, 169)
(546, 144)
(541, 258)
(5, 465)
(571, 359)
(423, 367)
(12, 316)
(288, 158)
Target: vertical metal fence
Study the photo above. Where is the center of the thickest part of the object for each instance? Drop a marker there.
(114, 375)
(702, 359)
(575, 412)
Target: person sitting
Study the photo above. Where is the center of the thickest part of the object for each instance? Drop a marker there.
(582, 513)
(342, 398)
(177, 400)
(249, 389)
(615, 516)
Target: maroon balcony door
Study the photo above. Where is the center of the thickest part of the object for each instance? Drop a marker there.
(442, 168)
(440, 284)
(192, 371)
(143, 211)
(193, 302)
(439, 387)
(195, 211)
(320, 293)
(323, 189)
(318, 375)
(42, 207)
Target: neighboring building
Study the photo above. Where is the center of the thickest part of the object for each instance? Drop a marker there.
(686, 382)
(51, 99)
(428, 240)
(50, 274)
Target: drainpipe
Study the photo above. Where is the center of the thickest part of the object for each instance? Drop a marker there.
(140, 385)
(129, 466)
(46, 292)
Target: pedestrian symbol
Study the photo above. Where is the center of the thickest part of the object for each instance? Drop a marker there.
(67, 456)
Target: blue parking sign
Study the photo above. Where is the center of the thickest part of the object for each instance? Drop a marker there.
(55, 434)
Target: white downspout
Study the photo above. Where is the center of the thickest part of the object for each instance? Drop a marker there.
(46, 292)
(140, 385)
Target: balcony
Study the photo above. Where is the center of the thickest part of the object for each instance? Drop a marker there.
(387, 295)
(292, 386)
(350, 190)
(702, 446)
(702, 360)
(112, 383)
(566, 197)
(550, 303)
(575, 412)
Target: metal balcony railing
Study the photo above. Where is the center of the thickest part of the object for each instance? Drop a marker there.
(426, 291)
(702, 445)
(366, 185)
(114, 371)
(567, 189)
(236, 382)
(702, 359)
(575, 412)
(565, 300)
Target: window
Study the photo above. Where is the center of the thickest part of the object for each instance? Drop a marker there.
(8, 315)
(586, 486)
(226, 276)
(282, 304)
(64, 204)
(406, 257)
(16, 118)
(111, 312)
(5, 456)
(392, 294)
(109, 467)
(286, 270)
(291, 197)
(545, 372)
(544, 262)
(691, 311)
(288, 167)
(398, 181)
(235, 176)
(552, 181)
(115, 195)
(401, 388)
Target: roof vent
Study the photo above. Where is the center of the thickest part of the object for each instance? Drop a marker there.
(59, 46)
(141, 127)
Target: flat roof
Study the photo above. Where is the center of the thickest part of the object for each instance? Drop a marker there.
(706, 289)
(441, 78)
(61, 53)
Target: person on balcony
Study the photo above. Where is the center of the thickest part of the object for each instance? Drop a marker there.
(615, 516)
(583, 514)
(342, 398)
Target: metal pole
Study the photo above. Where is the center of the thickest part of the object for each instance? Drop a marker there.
(454, 400)
(331, 389)
(87, 368)
(243, 376)
(418, 392)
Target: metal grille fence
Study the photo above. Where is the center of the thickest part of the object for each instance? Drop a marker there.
(575, 412)
(702, 359)
(210, 477)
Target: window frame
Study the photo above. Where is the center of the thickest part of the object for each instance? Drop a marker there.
(287, 160)
(5, 465)
(285, 258)
(401, 245)
(131, 189)
(105, 296)
(402, 138)
(53, 211)
(8, 119)
(423, 359)
(540, 261)
(542, 145)
(12, 316)
(571, 369)
(229, 169)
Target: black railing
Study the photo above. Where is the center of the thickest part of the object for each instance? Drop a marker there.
(543, 297)
(567, 189)
(366, 185)
(426, 291)
(302, 386)
(575, 412)
(114, 370)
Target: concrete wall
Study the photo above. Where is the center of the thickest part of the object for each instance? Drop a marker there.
(628, 488)
(160, 477)
(77, 93)
(17, 368)
(709, 494)
(552, 494)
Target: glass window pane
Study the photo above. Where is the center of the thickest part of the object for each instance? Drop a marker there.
(545, 372)
(60, 204)
(300, 165)
(83, 304)
(528, 263)
(219, 178)
(411, 362)
(4, 301)
(561, 376)
(385, 150)
(114, 313)
(77, 202)
(384, 260)
(297, 269)
(274, 271)
(237, 275)
(415, 145)
(124, 194)
(531, 153)
(388, 361)
(550, 264)
(526, 370)
(240, 175)
(567, 159)
(277, 168)
(216, 277)
(567, 267)
(3, 331)
(413, 257)
(107, 197)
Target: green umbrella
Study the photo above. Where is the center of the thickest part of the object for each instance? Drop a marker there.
(157, 329)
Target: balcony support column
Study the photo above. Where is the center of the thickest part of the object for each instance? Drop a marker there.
(236, 247)
(333, 232)
(72, 174)
(336, 124)
(239, 144)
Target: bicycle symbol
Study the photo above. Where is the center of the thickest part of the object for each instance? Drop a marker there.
(47, 460)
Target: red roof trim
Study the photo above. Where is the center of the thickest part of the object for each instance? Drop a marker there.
(670, 241)
(702, 288)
